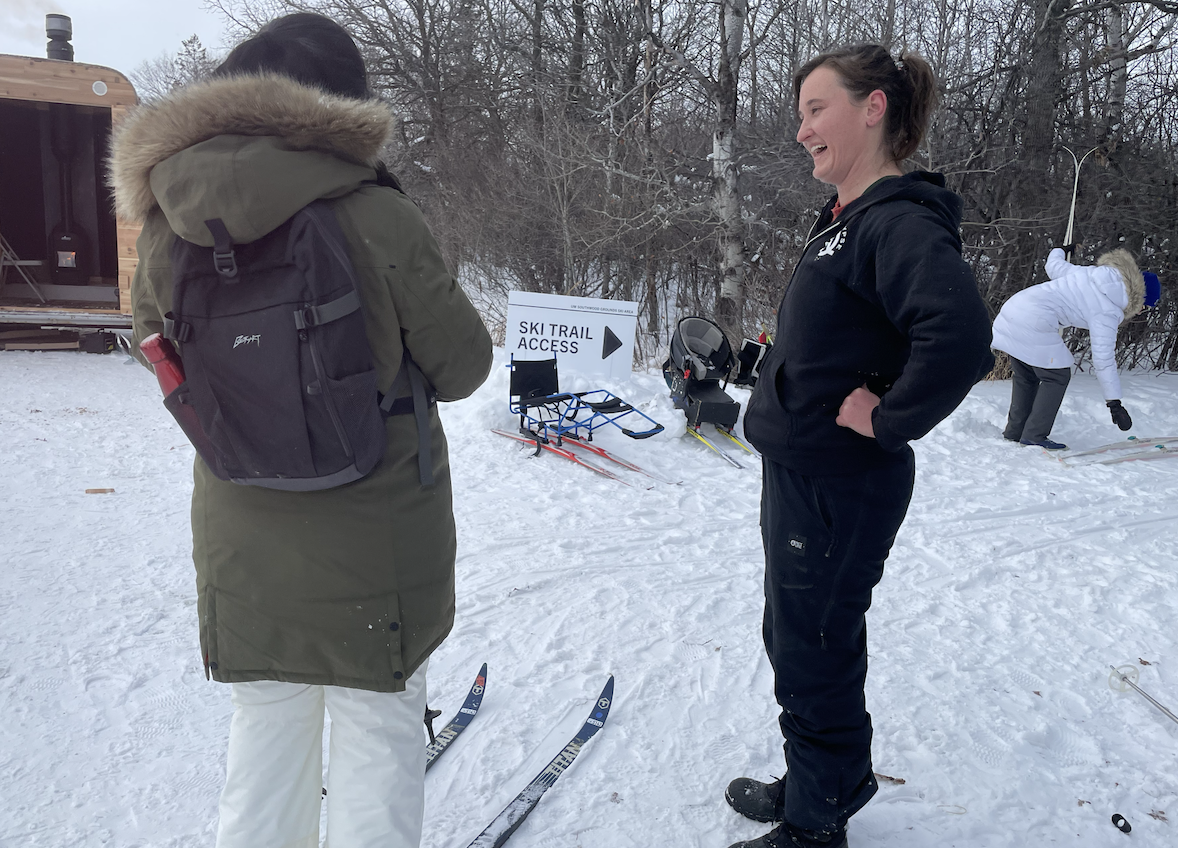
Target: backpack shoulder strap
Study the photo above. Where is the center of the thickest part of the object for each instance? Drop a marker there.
(420, 396)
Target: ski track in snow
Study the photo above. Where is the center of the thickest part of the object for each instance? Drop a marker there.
(1015, 582)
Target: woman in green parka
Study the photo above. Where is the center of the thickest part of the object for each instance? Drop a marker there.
(334, 598)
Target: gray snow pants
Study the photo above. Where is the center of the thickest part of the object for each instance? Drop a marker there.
(1034, 400)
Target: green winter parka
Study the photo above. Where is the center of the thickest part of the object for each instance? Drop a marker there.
(351, 586)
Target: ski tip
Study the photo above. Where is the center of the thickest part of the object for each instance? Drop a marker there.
(604, 701)
(608, 691)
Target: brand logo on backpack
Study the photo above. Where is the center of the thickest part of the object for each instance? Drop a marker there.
(256, 338)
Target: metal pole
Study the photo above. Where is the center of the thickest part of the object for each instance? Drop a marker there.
(1143, 694)
(1067, 239)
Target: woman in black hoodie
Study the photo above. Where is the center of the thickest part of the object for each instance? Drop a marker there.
(880, 335)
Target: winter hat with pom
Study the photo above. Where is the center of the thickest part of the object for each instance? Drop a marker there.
(1153, 289)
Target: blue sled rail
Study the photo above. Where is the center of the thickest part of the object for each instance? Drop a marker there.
(549, 413)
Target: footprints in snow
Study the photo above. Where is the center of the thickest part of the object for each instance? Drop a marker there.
(1060, 744)
(726, 749)
(692, 653)
(989, 748)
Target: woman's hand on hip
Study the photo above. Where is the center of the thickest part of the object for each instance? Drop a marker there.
(855, 413)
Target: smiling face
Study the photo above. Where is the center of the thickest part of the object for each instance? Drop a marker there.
(842, 136)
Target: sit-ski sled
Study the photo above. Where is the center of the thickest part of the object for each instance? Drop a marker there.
(700, 357)
(557, 421)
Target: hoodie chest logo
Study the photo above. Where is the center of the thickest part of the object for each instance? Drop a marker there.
(836, 241)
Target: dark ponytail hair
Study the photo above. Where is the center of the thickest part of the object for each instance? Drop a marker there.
(306, 47)
(908, 83)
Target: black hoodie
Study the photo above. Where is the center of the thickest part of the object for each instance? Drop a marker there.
(882, 297)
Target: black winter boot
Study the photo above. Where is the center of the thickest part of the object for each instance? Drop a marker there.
(763, 802)
(784, 836)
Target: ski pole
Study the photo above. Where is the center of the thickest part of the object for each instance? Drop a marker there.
(1124, 678)
(1067, 239)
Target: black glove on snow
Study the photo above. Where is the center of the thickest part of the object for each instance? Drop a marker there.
(1120, 416)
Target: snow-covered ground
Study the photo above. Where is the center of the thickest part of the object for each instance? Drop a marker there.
(1013, 586)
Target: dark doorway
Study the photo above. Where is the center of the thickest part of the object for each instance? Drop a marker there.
(52, 168)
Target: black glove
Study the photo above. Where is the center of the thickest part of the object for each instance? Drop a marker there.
(1120, 416)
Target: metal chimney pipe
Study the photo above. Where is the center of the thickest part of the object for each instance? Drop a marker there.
(60, 30)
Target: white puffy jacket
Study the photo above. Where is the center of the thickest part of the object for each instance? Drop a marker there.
(1096, 298)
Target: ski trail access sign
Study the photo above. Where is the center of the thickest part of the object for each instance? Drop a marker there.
(584, 335)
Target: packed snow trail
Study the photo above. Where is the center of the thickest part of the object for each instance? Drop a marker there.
(1013, 586)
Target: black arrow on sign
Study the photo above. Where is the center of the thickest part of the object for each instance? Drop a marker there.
(610, 343)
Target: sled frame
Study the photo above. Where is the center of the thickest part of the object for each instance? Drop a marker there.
(547, 413)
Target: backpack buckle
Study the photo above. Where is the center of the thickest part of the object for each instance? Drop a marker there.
(224, 261)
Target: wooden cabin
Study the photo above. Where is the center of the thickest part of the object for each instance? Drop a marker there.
(64, 258)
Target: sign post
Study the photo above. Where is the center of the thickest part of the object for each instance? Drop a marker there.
(585, 335)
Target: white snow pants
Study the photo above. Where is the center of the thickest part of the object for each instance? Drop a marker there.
(376, 766)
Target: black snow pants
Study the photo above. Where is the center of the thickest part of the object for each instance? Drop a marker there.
(826, 539)
(1035, 397)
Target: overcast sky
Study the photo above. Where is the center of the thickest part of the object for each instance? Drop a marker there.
(119, 34)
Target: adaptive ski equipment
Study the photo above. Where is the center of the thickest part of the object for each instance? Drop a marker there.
(732, 437)
(712, 446)
(576, 441)
(700, 358)
(462, 718)
(543, 443)
(534, 395)
(513, 815)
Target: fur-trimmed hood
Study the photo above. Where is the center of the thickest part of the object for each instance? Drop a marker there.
(1122, 261)
(275, 110)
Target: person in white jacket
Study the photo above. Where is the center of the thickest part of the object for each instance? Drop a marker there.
(1097, 298)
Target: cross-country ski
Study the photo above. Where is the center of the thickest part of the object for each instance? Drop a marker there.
(710, 444)
(544, 444)
(454, 727)
(575, 441)
(1148, 455)
(1131, 444)
(513, 815)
